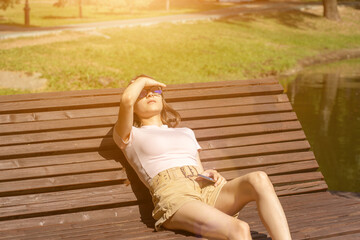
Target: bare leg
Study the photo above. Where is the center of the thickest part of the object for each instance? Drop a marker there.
(257, 187)
(202, 219)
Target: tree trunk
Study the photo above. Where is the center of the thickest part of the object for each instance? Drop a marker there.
(27, 13)
(80, 9)
(167, 5)
(331, 10)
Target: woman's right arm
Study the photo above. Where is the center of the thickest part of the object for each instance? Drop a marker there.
(128, 99)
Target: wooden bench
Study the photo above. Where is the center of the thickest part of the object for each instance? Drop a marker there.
(62, 176)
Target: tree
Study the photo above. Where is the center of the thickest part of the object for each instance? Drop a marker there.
(4, 4)
(331, 10)
(167, 5)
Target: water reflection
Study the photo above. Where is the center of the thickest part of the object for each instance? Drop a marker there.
(326, 100)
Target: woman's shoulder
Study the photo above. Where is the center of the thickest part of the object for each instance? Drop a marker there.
(184, 129)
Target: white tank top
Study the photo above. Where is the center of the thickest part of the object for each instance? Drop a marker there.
(152, 149)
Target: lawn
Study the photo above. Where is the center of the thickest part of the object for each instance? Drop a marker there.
(242, 47)
(44, 14)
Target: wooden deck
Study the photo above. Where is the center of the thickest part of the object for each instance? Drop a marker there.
(62, 176)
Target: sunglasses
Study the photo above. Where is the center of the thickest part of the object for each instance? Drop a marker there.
(156, 91)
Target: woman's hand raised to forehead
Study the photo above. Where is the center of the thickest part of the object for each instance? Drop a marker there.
(148, 82)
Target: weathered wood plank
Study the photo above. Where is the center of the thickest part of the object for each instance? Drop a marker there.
(246, 214)
(107, 101)
(116, 91)
(58, 159)
(259, 160)
(130, 213)
(74, 168)
(107, 142)
(62, 196)
(61, 159)
(112, 111)
(239, 120)
(253, 139)
(231, 131)
(91, 122)
(275, 169)
(99, 196)
(234, 110)
(271, 148)
(345, 236)
(47, 136)
(15, 187)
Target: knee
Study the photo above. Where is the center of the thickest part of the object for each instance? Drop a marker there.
(260, 181)
(241, 230)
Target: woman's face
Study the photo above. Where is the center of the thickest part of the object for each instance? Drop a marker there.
(149, 103)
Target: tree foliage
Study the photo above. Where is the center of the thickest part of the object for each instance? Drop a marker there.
(4, 4)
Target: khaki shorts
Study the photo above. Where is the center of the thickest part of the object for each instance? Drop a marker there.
(172, 188)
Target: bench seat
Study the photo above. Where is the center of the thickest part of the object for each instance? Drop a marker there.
(63, 177)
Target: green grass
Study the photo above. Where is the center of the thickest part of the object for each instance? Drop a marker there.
(44, 14)
(243, 47)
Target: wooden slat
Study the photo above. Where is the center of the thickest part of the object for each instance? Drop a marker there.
(271, 148)
(61, 159)
(285, 168)
(23, 119)
(306, 220)
(57, 115)
(253, 140)
(235, 101)
(64, 195)
(231, 131)
(82, 198)
(350, 235)
(52, 147)
(110, 121)
(114, 91)
(72, 204)
(112, 111)
(14, 187)
(230, 152)
(258, 160)
(121, 189)
(104, 142)
(239, 120)
(49, 204)
(109, 217)
(74, 168)
(106, 132)
(122, 193)
(52, 160)
(122, 213)
(103, 101)
(235, 110)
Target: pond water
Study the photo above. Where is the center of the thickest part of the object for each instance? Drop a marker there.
(326, 100)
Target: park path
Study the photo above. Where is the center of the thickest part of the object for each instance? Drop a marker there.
(8, 32)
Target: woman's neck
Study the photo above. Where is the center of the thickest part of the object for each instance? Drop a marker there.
(155, 120)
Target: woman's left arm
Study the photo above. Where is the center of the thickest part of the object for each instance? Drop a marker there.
(210, 173)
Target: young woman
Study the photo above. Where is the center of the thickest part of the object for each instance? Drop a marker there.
(167, 161)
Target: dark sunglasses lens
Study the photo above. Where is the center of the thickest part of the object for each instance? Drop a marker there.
(155, 90)
(143, 93)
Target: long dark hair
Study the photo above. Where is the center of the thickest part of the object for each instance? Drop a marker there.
(169, 116)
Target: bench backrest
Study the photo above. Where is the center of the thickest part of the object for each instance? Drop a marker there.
(58, 162)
